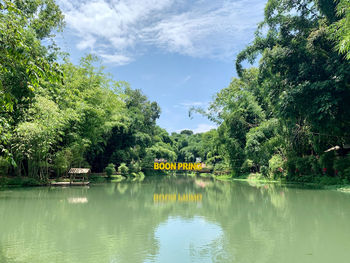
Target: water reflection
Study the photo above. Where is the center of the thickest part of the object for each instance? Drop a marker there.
(203, 245)
(77, 200)
(120, 222)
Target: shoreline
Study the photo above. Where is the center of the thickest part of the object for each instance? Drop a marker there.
(26, 182)
(345, 188)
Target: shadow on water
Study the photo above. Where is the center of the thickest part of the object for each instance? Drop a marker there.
(121, 222)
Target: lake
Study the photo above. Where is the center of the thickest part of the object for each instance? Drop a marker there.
(174, 219)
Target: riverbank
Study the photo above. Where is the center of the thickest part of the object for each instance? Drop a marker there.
(15, 182)
(20, 182)
(322, 182)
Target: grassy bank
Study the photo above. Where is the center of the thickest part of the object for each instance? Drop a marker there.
(8, 182)
(20, 182)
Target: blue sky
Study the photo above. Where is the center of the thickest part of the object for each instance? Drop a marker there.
(179, 53)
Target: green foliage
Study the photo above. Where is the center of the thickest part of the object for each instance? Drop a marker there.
(25, 64)
(326, 180)
(221, 167)
(290, 167)
(341, 167)
(247, 166)
(4, 166)
(110, 170)
(123, 170)
(286, 112)
(62, 161)
(303, 165)
(135, 167)
(264, 171)
(326, 163)
(96, 179)
(276, 164)
(19, 182)
(294, 106)
(341, 28)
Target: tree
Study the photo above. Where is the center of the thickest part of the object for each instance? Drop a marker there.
(341, 28)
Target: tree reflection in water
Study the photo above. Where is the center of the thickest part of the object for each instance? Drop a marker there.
(120, 222)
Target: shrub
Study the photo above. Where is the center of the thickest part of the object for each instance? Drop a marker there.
(30, 182)
(4, 166)
(19, 181)
(110, 169)
(290, 166)
(315, 166)
(303, 165)
(123, 169)
(221, 167)
(135, 167)
(247, 166)
(326, 180)
(96, 179)
(326, 163)
(15, 181)
(264, 170)
(3, 181)
(347, 173)
(275, 165)
(342, 167)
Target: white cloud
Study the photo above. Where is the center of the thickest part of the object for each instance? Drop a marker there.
(188, 104)
(187, 78)
(202, 28)
(203, 127)
(87, 42)
(115, 59)
(192, 104)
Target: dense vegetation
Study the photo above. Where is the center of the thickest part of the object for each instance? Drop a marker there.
(277, 118)
(281, 117)
(58, 115)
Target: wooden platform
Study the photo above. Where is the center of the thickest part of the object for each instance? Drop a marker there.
(69, 184)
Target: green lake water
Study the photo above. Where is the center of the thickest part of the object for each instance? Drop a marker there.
(121, 222)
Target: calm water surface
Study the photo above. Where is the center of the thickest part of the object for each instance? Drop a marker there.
(121, 222)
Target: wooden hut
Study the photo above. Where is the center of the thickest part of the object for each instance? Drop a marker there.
(80, 173)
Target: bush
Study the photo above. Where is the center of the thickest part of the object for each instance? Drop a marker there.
(342, 167)
(303, 165)
(264, 170)
(247, 166)
(220, 167)
(315, 166)
(290, 166)
(135, 167)
(4, 166)
(326, 162)
(326, 180)
(30, 182)
(275, 165)
(297, 166)
(123, 169)
(19, 181)
(3, 181)
(15, 181)
(347, 173)
(96, 179)
(110, 170)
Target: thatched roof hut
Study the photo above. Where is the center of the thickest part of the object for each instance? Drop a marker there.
(79, 171)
